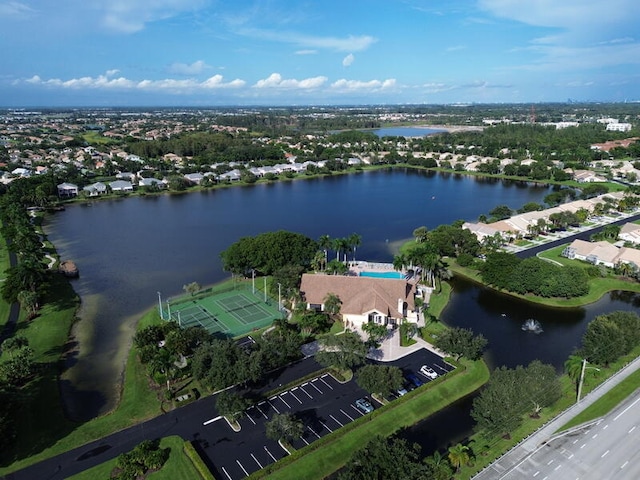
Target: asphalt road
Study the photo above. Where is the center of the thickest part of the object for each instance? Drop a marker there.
(322, 403)
(607, 449)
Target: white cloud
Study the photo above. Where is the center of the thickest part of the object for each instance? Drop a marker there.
(275, 80)
(358, 85)
(195, 68)
(129, 16)
(15, 10)
(348, 60)
(169, 85)
(306, 52)
(353, 43)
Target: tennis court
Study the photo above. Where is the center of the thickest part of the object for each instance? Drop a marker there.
(227, 313)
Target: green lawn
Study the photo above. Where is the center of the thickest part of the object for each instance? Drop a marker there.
(4, 265)
(333, 454)
(177, 467)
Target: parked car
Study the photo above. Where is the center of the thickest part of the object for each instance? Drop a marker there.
(428, 372)
(414, 380)
(401, 391)
(364, 406)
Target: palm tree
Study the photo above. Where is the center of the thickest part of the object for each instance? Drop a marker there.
(458, 456)
(573, 367)
(332, 304)
(355, 241)
(420, 234)
(319, 261)
(325, 243)
(400, 261)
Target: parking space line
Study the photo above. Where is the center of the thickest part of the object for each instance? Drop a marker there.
(267, 450)
(294, 396)
(252, 420)
(313, 431)
(259, 464)
(306, 391)
(274, 407)
(346, 415)
(315, 379)
(304, 440)
(260, 410)
(336, 420)
(322, 380)
(323, 424)
(284, 401)
(352, 406)
(226, 473)
(243, 469)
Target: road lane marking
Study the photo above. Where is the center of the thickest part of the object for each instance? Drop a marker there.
(576, 441)
(536, 474)
(570, 456)
(625, 410)
(346, 415)
(624, 464)
(583, 445)
(312, 431)
(267, 450)
(336, 420)
(243, 469)
(212, 420)
(259, 464)
(605, 427)
(632, 429)
(595, 436)
(550, 462)
(604, 454)
(557, 467)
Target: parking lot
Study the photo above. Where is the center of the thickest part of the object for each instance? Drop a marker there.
(322, 404)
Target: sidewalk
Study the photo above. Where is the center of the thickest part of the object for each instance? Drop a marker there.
(514, 457)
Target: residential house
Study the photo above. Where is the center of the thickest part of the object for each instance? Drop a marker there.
(598, 253)
(364, 299)
(194, 178)
(151, 182)
(587, 176)
(126, 176)
(231, 176)
(121, 186)
(96, 189)
(67, 190)
(630, 232)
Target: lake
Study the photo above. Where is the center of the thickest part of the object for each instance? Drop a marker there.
(130, 249)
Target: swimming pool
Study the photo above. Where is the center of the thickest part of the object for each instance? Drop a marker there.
(392, 274)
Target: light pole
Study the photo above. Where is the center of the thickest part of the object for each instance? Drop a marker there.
(584, 367)
(160, 306)
(253, 281)
(279, 297)
(265, 289)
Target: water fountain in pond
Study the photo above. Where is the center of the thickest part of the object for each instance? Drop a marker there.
(532, 325)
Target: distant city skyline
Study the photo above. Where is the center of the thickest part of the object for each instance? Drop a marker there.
(284, 52)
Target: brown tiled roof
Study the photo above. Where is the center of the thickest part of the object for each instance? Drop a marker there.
(359, 294)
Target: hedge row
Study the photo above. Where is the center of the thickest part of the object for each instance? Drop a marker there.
(191, 452)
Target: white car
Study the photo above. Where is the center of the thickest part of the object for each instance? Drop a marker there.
(428, 372)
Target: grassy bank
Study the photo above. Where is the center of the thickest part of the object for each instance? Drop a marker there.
(597, 287)
(45, 431)
(4, 265)
(333, 454)
(177, 467)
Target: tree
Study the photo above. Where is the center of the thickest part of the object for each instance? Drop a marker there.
(437, 467)
(500, 212)
(191, 288)
(460, 342)
(458, 456)
(375, 331)
(220, 363)
(314, 322)
(284, 427)
(380, 379)
(324, 242)
(343, 351)
(420, 234)
(573, 367)
(385, 458)
(354, 240)
(231, 404)
(336, 267)
(332, 304)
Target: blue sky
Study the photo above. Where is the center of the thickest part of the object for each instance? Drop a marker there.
(316, 52)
